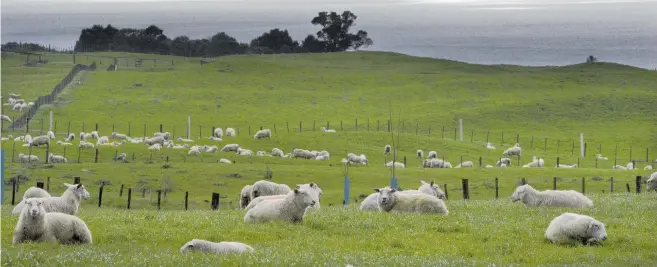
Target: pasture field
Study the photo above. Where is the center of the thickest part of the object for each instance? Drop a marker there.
(293, 95)
(475, 233)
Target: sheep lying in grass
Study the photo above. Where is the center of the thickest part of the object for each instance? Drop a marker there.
(489, 146)
(211, 149)
(35, 192)
(230, 147)
(275, 152)
(40, 140)
(327, 130)
(6, 118)
(267, 188)
(264, 133)
(431, 189)
(155, 147)
(630, 166)
(14, 96)
(230, 132)
(225, 161)
(184, 140)
(194, 151)
(353, 158)
(116, 135)
(389, 199)
(370, 203)
(68, 203)
(212, 247)
(212, 138)
(70, 137)
(52, 158)
(550, 198)
(432, 155)
(566, 166)
(180, 146)
(436, 163)
(84, 144)
(245, 196)
(536, 163)
(7, 138)
(154, 140)
(647, 168)
(218, 133)
(244, 152)
(164, 135)
(84, 136)
(27, 158)
(38, 225)
(652, 182)
(261, 153)
(398, 165)
(619, 167)
(302, 153)
(122, 156)
(102, 140)
(600, 157)
(513, 151)
(569, 228)
(465, 164)
(292, 208)
(312, 187)
(387, 149)
(420, 154)
(94, 134)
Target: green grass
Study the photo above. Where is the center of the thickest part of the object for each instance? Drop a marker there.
(475, 233)
(612, 104)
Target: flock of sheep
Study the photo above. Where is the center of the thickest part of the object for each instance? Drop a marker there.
(16, 103)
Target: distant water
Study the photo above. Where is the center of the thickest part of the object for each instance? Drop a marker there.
(530, 32)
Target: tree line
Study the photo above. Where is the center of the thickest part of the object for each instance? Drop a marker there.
(334, 36)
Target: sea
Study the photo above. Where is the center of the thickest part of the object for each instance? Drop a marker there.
(530, 33)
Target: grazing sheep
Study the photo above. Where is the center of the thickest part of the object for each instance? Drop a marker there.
(184, 140)
(313, 187)
(489, 146)
(35, 192)
(116, 135)
(389, 199)
(566, 166)
(102, 140)
(5, 118)
(327, 130)
(647, 168)
(550, 198)
(212, 247)
(353, 158)
(194, 151)
(68, 203)
(513, 151)
(267, 188)
(38, 225)
(600, 157)
(230, 132)
(52, 158)
(398, 165)
(27, 158)
(652, 182)
(14, 96)
(262, 134)
(51, 135)
(503, 161)
(225, 161)
(387, 149)
(218, 133)
(420, 154)
(275, 152)
(84, 136)
(292, 208)
(40, 140)
(155, 147)
(245, 196)
(244, 152)
(230, 147)
(432, 155)
(465, 164)
(84, 144)
(569, 228)
(70, 137)
(154, 140)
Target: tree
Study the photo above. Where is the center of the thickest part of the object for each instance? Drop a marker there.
(335, 32)
(223, 44)
(591, 59)
(276, 41)
(313, 45)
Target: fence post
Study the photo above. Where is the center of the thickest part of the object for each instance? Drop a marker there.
(96, 158)
(545, 145)
(186, 199)
(472, 136)
(378, 125)
(39, 185)
(497, 188)
(638, 184)
(583, 186)
(96, 126)
(466, 191)
(502, 139)
(129, 196)
(628, 187)
(300, 126)
(100, 195)
(48, 184)
(215, 201)
(487, 136)
(129, 129)
(443, 134)
(159, 198)
(346, 191)
(557, 162)
(523, 181)
(76, 180)
(554, 183)
(611, 184)
(13, 191)
(356, 125)
(121, 191)
(480, 159)
(445, 187)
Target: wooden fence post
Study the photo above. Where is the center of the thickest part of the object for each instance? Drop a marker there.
(628, 187)
(96, 158)
(497, 188)
(300, 127)
(638, 184)
(445, 187)
(48, 184)
(76, 180)
(186, 198)
(611, 184)
(13, 191)
(523, 181)
(100, 195)
(129, 196)
(554, 183)
(121, 191)
(466, 191)
(159, 198)
(583, 186)
(215, 201)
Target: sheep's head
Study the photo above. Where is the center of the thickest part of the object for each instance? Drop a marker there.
(34, 207)
(189, 246)
(386, 194)
(305, 197)
(520, 192)
(79, 190)
(596, 231)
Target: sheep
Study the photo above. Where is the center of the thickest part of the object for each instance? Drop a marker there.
(489, 146)
(230, 132)
(40, 140)
(35, 192)
(155, 147)
(84, 144)
(68, 203)
(30, 104)
(245, 196)
(19, 139)
(569, 228)
(357, 159)
(647, 168)
(225, 161)
(619, 167)
(18, 106)
(5, 118)
(389, 199)
(52, 158)
(9, 137)
(212, 247)
(536, 163)
(20, 101)
(398, 165)
(218, 133)
(420, 154)
(267, 188)
(180, 146)
(465, 164)
(550, 198)
(122, 156)
(194, 151)
(505, 161)
(292, 208)
(327, 130)
(261, 153)
(84, 136)
(230, 147)
(387, 149)
(244, 152)
(212, 149)
(36, 224)
(116, 135)
(102, 140)
(14, 96)
(432, 155)
(513, 151)
(436, 163)
(313, 187)
(322, 157)
(302, 153)
(27, 158)
(370, 203)
(275, 152)
(50, 135)
(630, 166)
(154, 140)
(70, 137)
(94, 134)
(28, 138)
(652, 182)
(431, 189)
(184, 140)
(600, 157)
(566, 166)
(262, 134)
(212, 138)
(165, 135)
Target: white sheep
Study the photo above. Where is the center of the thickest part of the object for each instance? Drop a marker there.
(353, 158)
(52, 158)
(184, 140)
(230, 132)
(218, 133)
(122, 156)
(94, 134)
(387, 149)
(40, 140)
(275, 152)
(370, 203)
(431, 189)
(165, 135)
(70, 137)
(230, 147)
(20, 101)
(154, 140)
(292, 208)
(569, 228)
(35, 192)
(68, 203)
(302, 153)
(261, 153)
(550, 198)
(465, 164)
(225, 161)
(7, 138)
(600, 157)
(489, 166)
(27, 158)
(262, 134)
(327, 130)
(244, 152)
(6, 118)
(180, 146)
(84, 136)
(267, 188)
(566, 166)
(647, 168)
(322, 157)
(212, 149)
(513, 151)
(505, 161)
(14, 96)
(489, 146)
(212, 138)
(619, 167)
(194, 151)
(212, 247)
(630, 166)
(84, 144)
(102, 140)
(51, 135)
(536, 163)
(36, 224)
(245, 196)
(116, 135)
(389, 199)
(420, 154)
(398, 165)
(432, 155)
(312, 187)
(652, 182)
(155, 147)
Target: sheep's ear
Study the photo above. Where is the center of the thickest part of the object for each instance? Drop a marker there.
(591, 224)
(432, 182)
(393, 190)
(296, 191)
(312, 185)
(79, 185)
(377, 190)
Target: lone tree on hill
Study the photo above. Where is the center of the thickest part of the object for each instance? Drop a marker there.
(335, 35)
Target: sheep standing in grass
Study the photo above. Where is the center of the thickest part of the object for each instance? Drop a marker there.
(70, 137)
(569, 228)
(230, 147)
(84, 144)
(465, 164)
(28, 139)
(52, 158)
(389, 199)
(230, 132)
(652, 182)
(27, 158)
(387, 149)
(420, 154)
(40, 140)
(489, 146)
(116, 135)
(275, 152)
(245, 196)
(265, 133)
(68, 203)
(5, 118)
(212, 247)
(302, 153)
(503, 161)
(550, 198)
(432, 155)
(35, 192)
(398, 165)
(36, 224)
(267, 188)
(513, 151)
(218, 132)
(312, 187)
(292, 208)
(353, 158)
